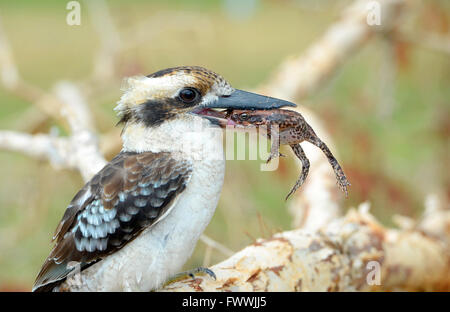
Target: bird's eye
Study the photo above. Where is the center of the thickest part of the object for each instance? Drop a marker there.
(188, 95)
(244, 116)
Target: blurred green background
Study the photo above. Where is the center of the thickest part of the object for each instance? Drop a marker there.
(393, 155)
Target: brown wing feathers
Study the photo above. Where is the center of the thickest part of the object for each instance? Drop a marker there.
(129, 194)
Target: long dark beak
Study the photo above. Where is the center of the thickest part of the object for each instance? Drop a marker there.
(247, 100)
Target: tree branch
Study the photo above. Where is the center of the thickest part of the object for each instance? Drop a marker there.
(300, 76)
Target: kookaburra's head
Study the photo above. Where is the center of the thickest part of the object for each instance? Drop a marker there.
(168, 93)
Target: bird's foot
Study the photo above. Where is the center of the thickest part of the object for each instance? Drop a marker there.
(191, 274)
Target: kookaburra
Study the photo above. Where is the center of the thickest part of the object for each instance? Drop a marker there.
(137, 221)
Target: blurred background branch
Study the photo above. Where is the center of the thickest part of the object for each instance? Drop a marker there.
(300, 76)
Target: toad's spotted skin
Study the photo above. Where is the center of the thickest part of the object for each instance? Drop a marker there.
(288, 127)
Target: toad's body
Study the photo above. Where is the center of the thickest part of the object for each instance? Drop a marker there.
(286, 127)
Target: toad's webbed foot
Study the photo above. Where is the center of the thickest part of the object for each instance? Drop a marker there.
(298, 150)
(340, 175)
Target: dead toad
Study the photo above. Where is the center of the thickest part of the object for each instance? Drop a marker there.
(288, 127)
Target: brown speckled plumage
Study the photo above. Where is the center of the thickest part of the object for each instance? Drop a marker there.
(289, 127)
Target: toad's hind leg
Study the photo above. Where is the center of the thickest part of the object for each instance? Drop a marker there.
(298, 150)
(340, 175)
